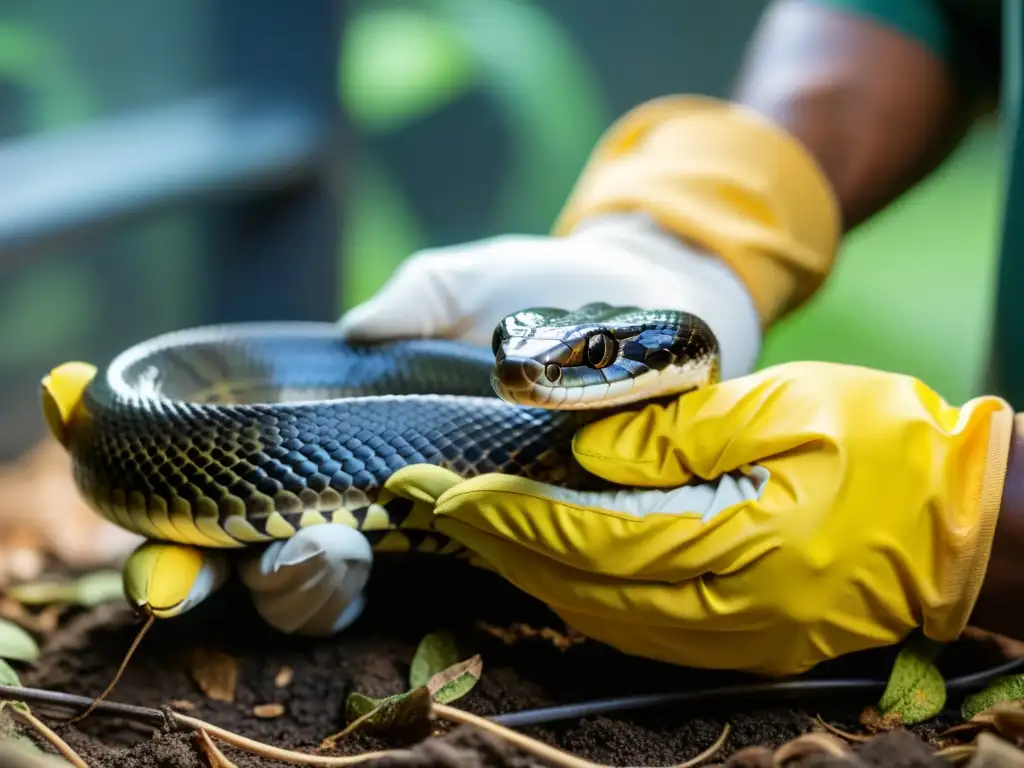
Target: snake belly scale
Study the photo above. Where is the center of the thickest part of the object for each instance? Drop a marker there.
(230, 436)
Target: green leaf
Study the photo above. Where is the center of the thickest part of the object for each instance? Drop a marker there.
(398, 65)
(8, 676)
(87, 591)
(20, 752)
(16, 643)
(435, 653)
(456, 681)
(357, 705)
(916, 689)
(403, 713)
(1002, 689)
(27, 744)
(105, 586)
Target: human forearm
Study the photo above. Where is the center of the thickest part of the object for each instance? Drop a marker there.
(875, 108)
(996, 607)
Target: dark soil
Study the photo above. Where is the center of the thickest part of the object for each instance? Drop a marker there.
(408, 600)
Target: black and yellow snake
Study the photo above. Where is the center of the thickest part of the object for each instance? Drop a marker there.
(235, 435)
(230, 436)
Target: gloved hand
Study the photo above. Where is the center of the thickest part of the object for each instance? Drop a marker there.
(463, 291)
(773, 521)
(673, 172)
(686, 203)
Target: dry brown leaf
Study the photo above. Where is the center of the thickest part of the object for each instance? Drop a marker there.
(215, 673)
(876, 722)
(993, 752)
(1008, 721)
(182, 705)
(811, 744)
(460, 677)
(958, 755)
(267, 711)
(284, 677)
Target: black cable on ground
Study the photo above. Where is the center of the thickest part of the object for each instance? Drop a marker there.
(544, 715)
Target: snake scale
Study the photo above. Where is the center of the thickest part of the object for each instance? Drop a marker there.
(229, 436)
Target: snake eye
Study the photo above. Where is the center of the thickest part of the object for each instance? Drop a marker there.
(601, 350)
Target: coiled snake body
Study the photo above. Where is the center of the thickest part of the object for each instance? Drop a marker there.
(235, 435)
(228, 437)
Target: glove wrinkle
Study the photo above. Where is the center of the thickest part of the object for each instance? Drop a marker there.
(311, 583)
(699, 499)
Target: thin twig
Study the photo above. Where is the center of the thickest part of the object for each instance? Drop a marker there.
(214, 755)
(710, 752)
(536, 748)
(544, 751)
(47, 733)
(959, 728)
(120, 670)
(854, 737)
(274, 753)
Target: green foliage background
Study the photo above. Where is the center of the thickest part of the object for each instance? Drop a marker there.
(912, 290)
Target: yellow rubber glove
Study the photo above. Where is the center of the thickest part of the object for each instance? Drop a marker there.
(783, 518)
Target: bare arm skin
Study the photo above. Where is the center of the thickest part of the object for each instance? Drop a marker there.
(998, 606)
(875, 108)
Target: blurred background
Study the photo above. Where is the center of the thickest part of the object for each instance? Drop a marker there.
(165, 163)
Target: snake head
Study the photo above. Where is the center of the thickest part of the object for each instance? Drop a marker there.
(600, 356)
(62, 391)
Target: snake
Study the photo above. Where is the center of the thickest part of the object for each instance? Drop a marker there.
(229, 436)
(233, 435)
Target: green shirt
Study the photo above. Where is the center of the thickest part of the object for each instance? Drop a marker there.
(983, 43)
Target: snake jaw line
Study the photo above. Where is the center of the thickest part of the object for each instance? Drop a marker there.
(62, 391)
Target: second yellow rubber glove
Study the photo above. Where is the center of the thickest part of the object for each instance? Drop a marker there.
(775, 521)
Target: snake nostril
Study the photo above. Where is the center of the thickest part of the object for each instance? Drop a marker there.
(553, 372)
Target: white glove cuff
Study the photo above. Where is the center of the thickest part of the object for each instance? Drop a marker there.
(713, 291)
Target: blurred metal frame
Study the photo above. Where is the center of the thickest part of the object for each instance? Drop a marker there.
(261, 155)
(1004, 374)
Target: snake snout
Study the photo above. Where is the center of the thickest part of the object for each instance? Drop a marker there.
(519, 372)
